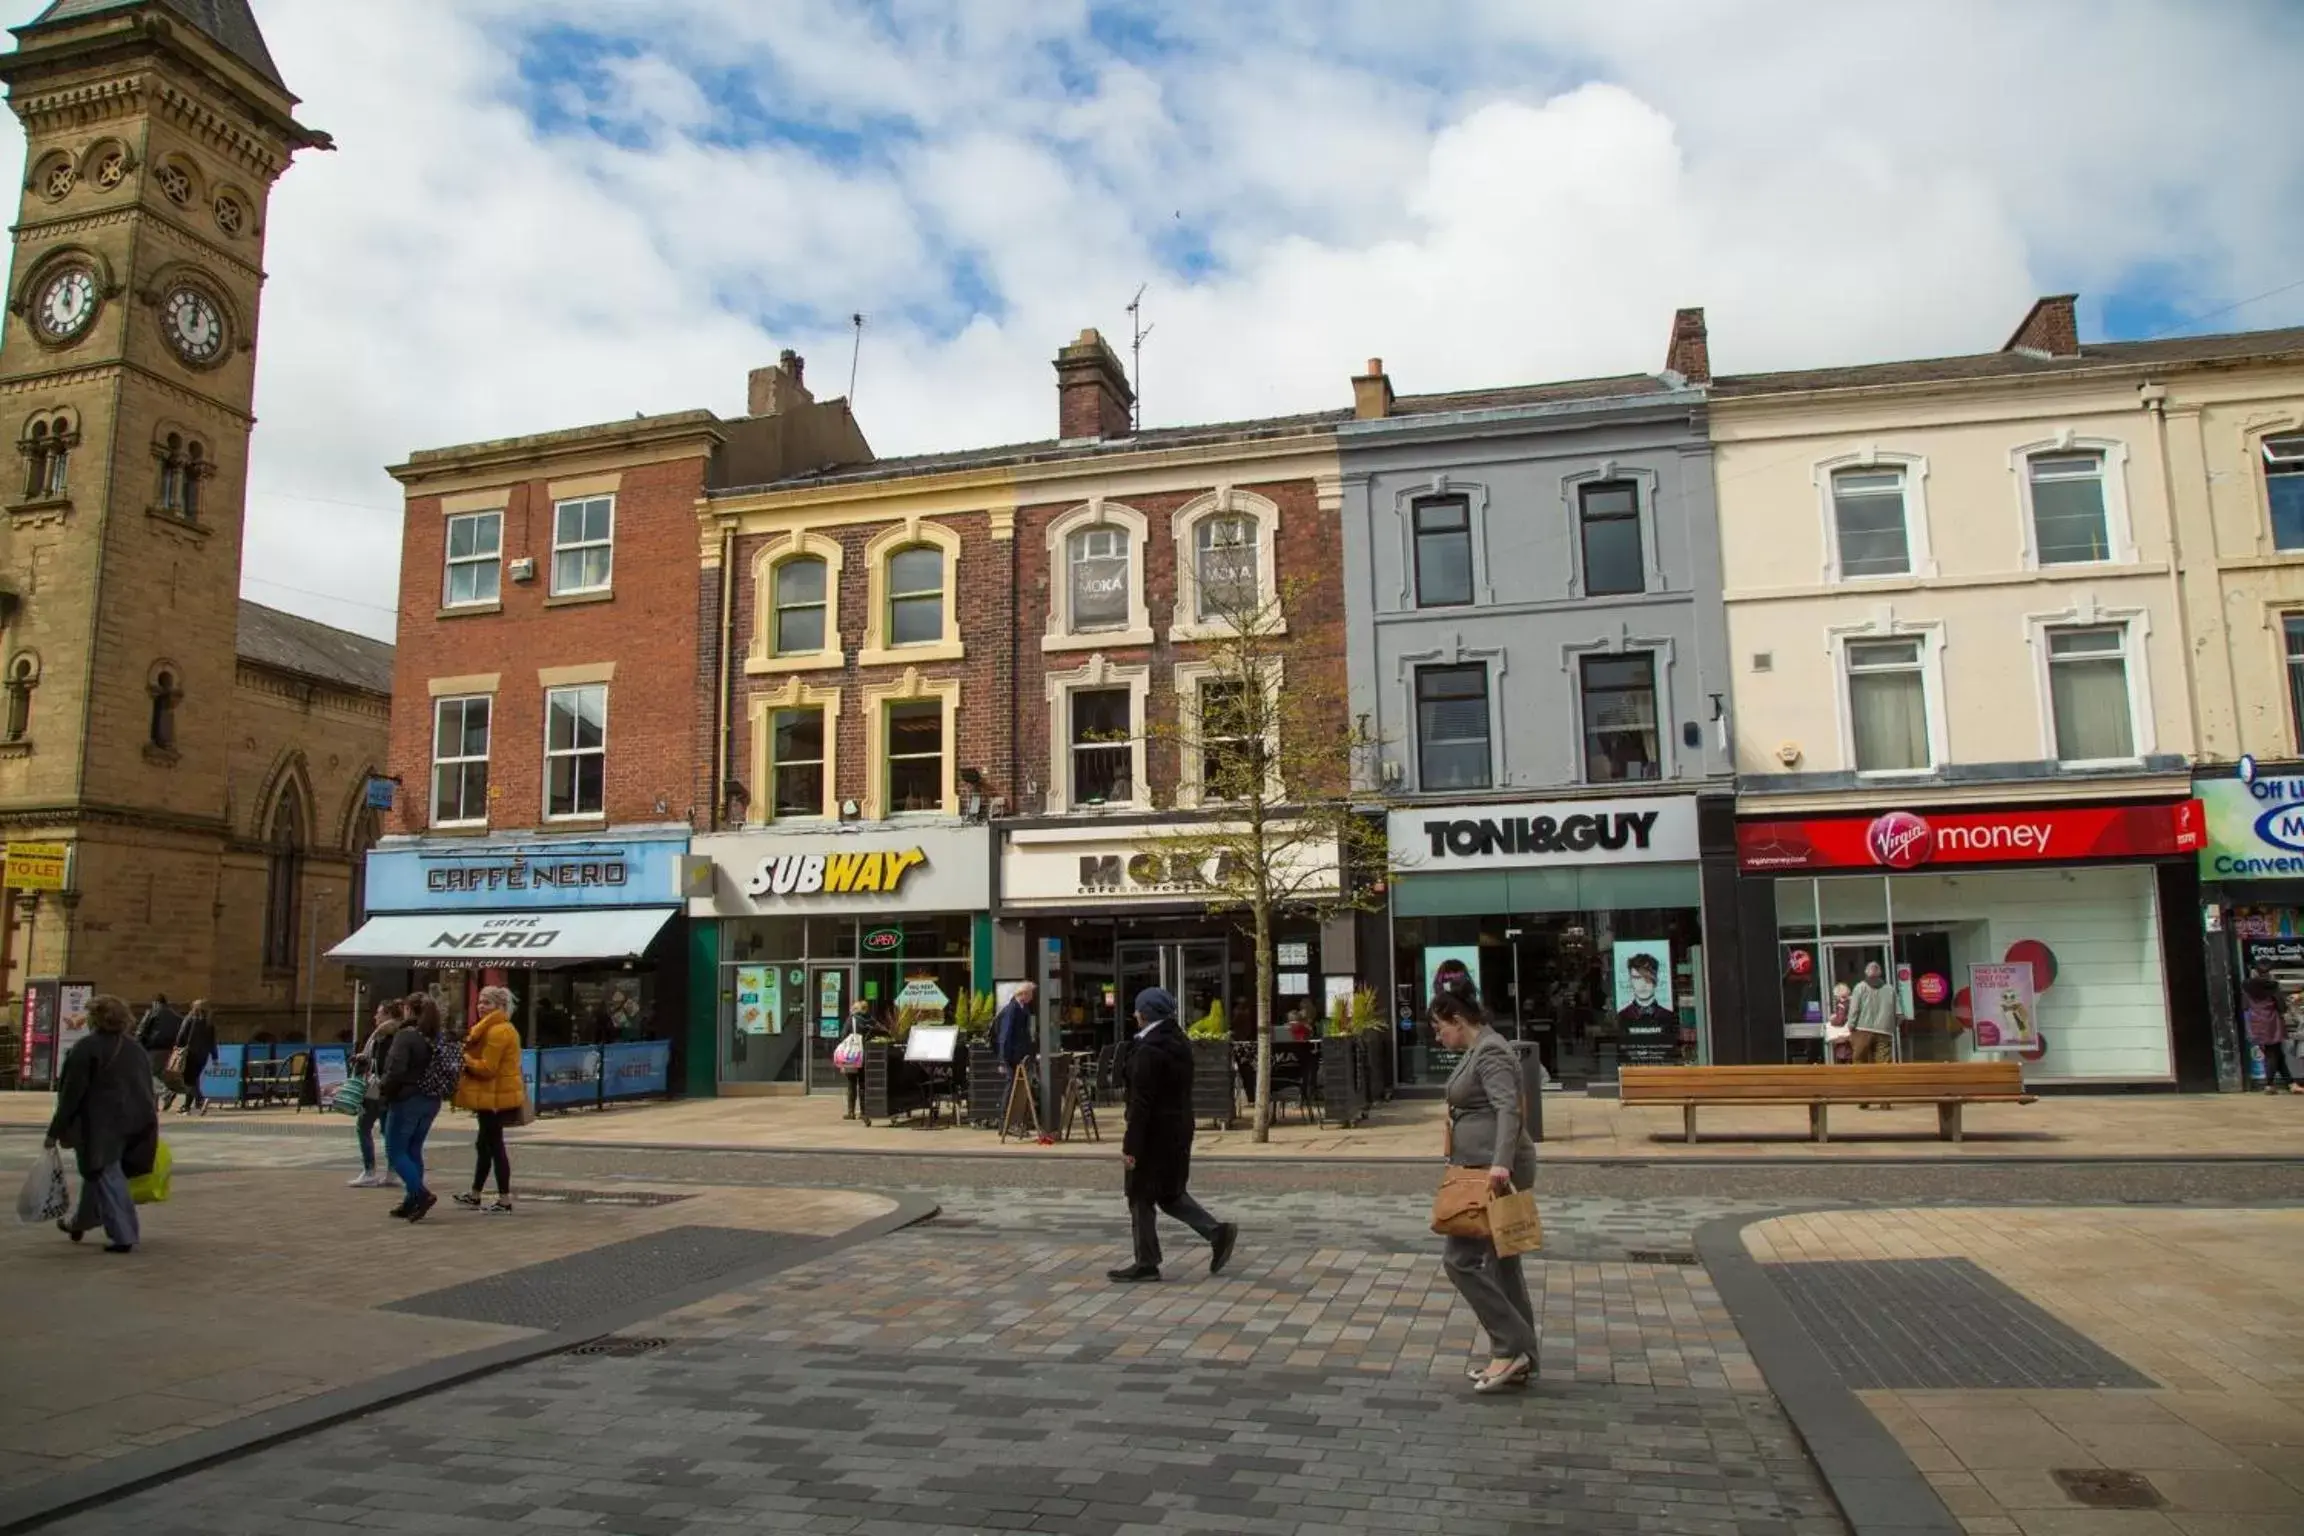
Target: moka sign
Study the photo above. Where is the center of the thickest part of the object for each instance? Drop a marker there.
(1505, 835)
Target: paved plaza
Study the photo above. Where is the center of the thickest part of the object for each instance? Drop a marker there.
(975, 1372)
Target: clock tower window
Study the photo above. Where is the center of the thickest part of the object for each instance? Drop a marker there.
(47, 446)
(184, 465)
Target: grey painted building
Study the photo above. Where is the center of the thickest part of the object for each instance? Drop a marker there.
(1532, 590)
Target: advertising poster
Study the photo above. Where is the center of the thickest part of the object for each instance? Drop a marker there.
(221, 1080)
(757, 1012)
(71, 1015)
(635, 1069)
(1647, 1027)
(1444, 960)
(566, 1075)
(2004, 1006)
(331, 1067)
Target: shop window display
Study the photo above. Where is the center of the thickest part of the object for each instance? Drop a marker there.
(788, 984)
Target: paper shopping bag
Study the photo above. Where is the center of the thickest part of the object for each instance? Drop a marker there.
(1513, 1224)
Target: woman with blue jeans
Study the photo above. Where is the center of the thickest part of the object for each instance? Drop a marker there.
(411, 1105)
(370, 1065)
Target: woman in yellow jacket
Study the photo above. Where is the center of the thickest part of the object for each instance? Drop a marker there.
(493, 1089)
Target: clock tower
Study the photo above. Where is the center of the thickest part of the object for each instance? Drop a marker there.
(154, 130)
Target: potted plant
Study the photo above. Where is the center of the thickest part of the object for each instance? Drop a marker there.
(1215, 1081)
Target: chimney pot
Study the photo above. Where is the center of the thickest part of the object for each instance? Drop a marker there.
(1093, 399)
(777, 389)
(2049, 330)
(1372, 393)
(1690, 352)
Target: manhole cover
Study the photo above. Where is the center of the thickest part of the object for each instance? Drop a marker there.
(1660, 1256)
(2108, 1488)
(621, 1349)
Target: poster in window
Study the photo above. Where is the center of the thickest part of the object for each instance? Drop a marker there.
(1647, 1028)
(758, 1010)
(71, 1015)
(1099, 591)
(2004, 1006)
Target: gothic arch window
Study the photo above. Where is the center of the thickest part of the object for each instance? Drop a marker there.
(165, 688)
(22, 681)
(284, 877)
(185, 466)
(46, 445)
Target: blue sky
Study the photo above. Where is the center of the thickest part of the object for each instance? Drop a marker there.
(548, 212)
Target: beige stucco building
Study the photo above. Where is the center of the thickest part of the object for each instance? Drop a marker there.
(1984, 614)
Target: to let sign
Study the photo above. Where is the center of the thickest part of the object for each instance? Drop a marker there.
(38, 866)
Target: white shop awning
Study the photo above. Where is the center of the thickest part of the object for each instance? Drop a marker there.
(502, 938)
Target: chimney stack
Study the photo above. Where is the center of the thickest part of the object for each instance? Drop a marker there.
(2049, 330)
(1690, 354)
(777, 389)
(1372, 393)
(1093, 399)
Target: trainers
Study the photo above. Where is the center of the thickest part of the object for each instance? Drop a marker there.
(368, 1180)
(497, 1208)
(467, 1200)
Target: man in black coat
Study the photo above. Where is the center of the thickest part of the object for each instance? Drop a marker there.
(1012, 1031)
(1157, 1149)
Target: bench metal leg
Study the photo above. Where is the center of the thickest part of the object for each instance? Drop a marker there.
(1948, 1122)
(1688, 1122)
(1818, 1128)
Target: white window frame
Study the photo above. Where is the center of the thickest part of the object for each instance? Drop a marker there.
(1921, 554)
(1184, 621)
(449, 563)
(432, 788)
(762, 708)
(1190, 677)
(2289, 664)
(607, 583)
(552, 754)
(1097, 672)
(2135, 626)
(2119, 532)
(1096, 513)
(884, 546)
(1886, 626)
(2261, 437)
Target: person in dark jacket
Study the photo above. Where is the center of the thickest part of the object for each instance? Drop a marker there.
(1013, 1029)
(107, 1115)
(196, 1038)
(410, 1104)
(369, 1064)
(1157, 1148)
(156, 1032)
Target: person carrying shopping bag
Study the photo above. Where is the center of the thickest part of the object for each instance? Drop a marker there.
(493, 1088)
(370, 1067)
(107, 1113)
(1487, 1129)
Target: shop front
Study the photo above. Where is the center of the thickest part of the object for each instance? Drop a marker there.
(1579, 921)
(2251, 898)
(2058, 935)
(800, 926)
(1107, 910)
(585, 932)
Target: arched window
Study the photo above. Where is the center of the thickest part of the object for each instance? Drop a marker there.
(284, 877)
(171, 473)
(800, 593)
(184, 464)
(916, 596)
(165, 692)
(47, 450)
(1226, 570)
(23, 678)
(195, 471)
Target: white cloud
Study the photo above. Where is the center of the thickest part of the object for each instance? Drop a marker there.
(1480, 193)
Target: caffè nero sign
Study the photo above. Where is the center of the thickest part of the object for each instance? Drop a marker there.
(1653, 829)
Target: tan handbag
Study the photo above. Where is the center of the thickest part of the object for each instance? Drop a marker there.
(1513, 1223)
(1460, 1205)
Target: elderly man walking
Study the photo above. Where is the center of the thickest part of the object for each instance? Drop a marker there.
(1157, 1149)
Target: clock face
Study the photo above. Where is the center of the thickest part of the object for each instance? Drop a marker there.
(195, 328)
(66, 303)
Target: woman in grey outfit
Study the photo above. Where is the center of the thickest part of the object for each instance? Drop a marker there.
(1488, 1128)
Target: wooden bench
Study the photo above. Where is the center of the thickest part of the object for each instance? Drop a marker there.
(1949, 1085)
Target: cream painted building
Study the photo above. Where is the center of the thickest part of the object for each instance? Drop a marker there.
(1959, 622)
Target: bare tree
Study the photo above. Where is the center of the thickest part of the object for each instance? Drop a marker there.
(1267, 748)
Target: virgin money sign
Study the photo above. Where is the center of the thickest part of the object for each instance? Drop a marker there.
(1896, 840)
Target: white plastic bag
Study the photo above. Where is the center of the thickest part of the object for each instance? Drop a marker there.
(47, 1193)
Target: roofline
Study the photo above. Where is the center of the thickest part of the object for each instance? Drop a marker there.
(272, 100)
(703, 427)
(1013, 473)
(303, 676)
(1733, 389)
(1504, 418)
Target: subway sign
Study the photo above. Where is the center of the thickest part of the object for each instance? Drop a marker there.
(834, 874)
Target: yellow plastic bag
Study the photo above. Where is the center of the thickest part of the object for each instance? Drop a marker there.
(152, 1188)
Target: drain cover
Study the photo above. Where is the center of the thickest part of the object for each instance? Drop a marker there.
(621, 1349)
(2108, 1488)
(1660, 1256)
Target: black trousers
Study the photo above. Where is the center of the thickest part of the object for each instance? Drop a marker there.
(1143, 1218)
(489, 1151)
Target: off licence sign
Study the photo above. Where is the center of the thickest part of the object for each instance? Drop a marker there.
(38, 866)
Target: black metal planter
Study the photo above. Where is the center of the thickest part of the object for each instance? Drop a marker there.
(1215, 1085)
